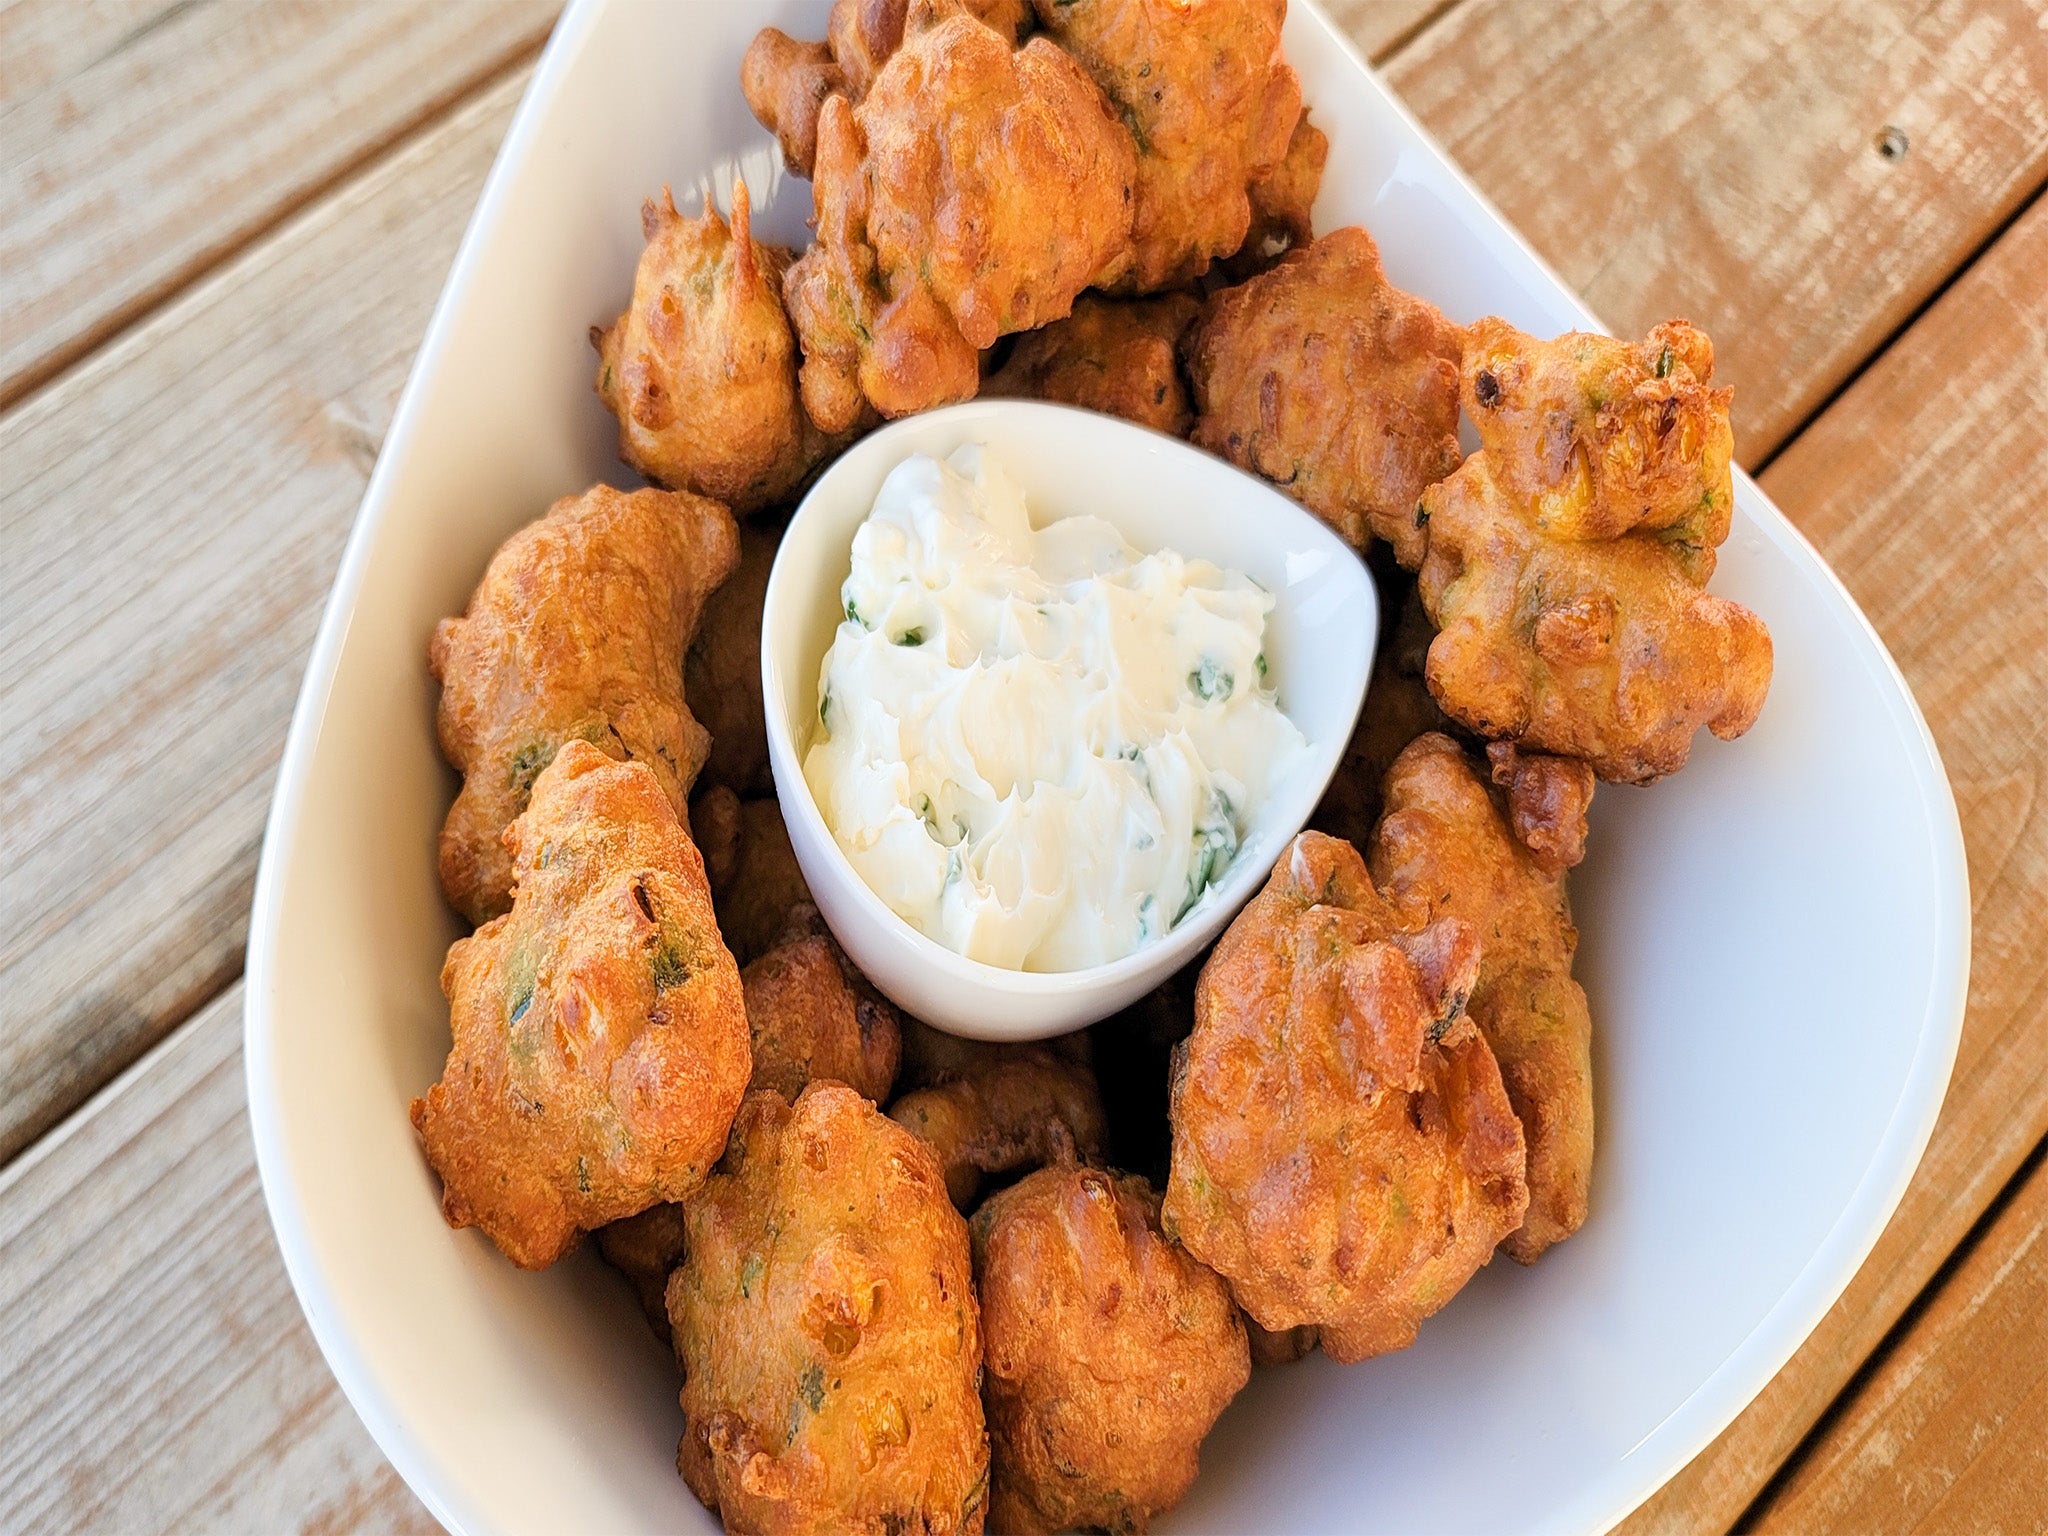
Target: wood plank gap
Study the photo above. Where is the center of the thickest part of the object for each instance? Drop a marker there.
(1389, 50)
(1875, 355)
(64, 358)
(1877, 1359)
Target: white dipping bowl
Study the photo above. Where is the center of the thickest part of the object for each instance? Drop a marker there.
(1160, 494)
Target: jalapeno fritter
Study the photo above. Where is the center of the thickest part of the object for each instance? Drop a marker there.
(1015, 1106)
(600, 1033)
(1332, 383)
(575, 633)
(1210, 103)
(826, 1325)
(1343, 1151)
(1444, 849)
(1111, 1351)
(701, 368)
(1569, 557)
(933, 198)
(813, 1016)
(1121, 358)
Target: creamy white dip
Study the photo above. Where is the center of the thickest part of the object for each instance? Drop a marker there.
(1042, 748)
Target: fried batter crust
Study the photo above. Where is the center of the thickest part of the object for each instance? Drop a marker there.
(1283, 199)
(932, 199)
(701, 368)
(576, 632)
(1343, 1151)
(827, 1328)
(1568, 557)
(600, 1033)
(723, 670)
(786, 81)
(1210, 103)
(1121, 358)
(814, 1016)
(646, 1249)
(1014, 1107)
(715, 828)
(1333, 384)
(767, 883)
(1443, 849)
(1111, 1351)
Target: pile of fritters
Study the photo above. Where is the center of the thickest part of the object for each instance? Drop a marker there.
(921, 1284)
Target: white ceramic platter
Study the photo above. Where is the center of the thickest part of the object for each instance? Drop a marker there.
(1776, 941)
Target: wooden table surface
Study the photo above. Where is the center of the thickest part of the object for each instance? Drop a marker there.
(222, 227)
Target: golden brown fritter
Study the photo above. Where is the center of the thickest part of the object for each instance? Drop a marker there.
(701, 368)
(1110, 1353)
(646, 1249)
(575, 633)
(715, 827)
(814, 1016)
(1210, 103)
(1444, 849)
(1017, 1106)
(1282, 1348)
(723, 670)
(786, 81)
(1343, 1151)
(600, 1034)
(1568, 557)
(1118, 357)
(827, 1329)
(1333, 384)
(1547, 800)
(1283, 199)
(936, 202)
(767, 884)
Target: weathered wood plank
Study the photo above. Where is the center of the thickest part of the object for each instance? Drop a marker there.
(1923, 486)
(155, 1372)
(1379, 27)
(1724, 162)
(146, 140)
(170, 515)
(1950, 1433)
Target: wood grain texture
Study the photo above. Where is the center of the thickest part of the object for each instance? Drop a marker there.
(1923, 486)
(145, 141)
(1950, 1432)
(155, 1372)
(1379, 27)
(170, 517)
(1722, 162)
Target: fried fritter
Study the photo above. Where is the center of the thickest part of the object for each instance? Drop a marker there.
(715, 827)
(723, 670)
(701, 368)
(1568, 557)
(826, 1325)
(1210, 103)
(1282, 1348)
(1283, 199)
(1547, 800)
(786, 81)
(1343, 1151)
(646, 1249)
(1110, 1353)
(767, 883)
(1120, 358)
(1333, 384)
(814, 1016)
(933, 198)
(1017, 1106)
(575, 633)
(1444, 849)
(600, 1033)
